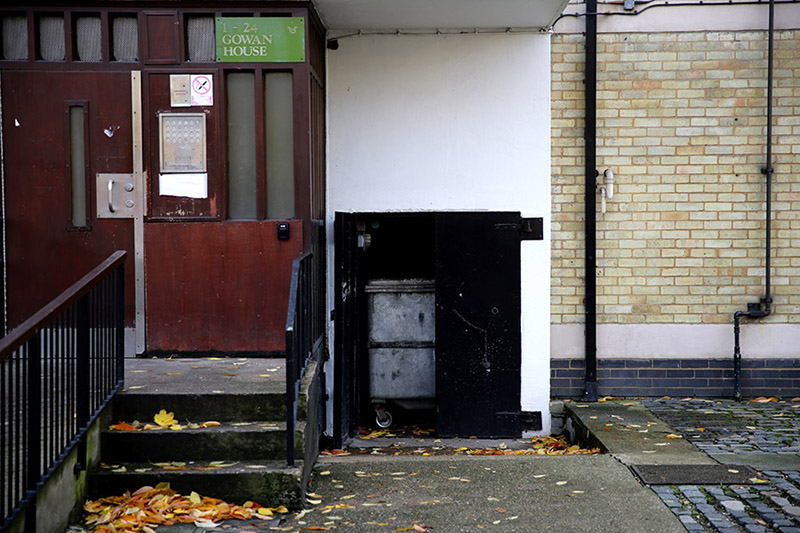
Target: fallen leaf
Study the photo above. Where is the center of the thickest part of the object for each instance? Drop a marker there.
(123, 426)
(674, 436)
(561, 482)
(762, 399)
(164, 419)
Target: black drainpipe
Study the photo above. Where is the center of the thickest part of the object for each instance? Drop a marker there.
(590, 140)
(764, 306)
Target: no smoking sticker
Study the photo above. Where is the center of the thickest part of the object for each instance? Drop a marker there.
(202, 89)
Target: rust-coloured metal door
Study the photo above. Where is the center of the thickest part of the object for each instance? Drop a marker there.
(60, 129)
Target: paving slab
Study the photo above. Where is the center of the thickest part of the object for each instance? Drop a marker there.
(204, 375)
(633, 434)
(503, 493)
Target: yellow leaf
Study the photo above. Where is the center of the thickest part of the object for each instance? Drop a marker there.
(264, 511)
(176, 427)
(195, 498)
(673, 436)
(280, 509)
(209, 424)
(164, 419)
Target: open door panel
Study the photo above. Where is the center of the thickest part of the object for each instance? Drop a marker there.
(477, 324)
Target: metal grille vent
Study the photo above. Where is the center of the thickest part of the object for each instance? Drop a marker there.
(125, 32)
(51, 38)
(200, 38)
(88, 38)
(15, 37)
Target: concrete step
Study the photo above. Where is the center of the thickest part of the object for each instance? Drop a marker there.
(268, 483)
(201, 407)
(229, 442)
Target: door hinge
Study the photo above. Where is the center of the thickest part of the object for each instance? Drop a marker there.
(529, 229)
(527, 420)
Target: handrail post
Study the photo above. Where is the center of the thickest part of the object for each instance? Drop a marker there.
(34, 422)
(82, 377)
(119, 305)
(290, 397)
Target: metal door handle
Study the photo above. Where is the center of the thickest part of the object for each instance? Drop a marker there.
(111, 196)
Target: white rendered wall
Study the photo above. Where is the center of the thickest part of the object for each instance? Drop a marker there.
(449, 123)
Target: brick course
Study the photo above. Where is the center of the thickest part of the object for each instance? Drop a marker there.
(707, 378)
(681, 121)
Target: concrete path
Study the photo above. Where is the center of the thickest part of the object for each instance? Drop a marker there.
(365, 492)
(465, 494)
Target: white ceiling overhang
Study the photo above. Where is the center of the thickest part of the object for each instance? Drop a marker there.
(431, 15)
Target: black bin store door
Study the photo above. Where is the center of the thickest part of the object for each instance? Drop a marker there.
(346, 328)
(477, 324)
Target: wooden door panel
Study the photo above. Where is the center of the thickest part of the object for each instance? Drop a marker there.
(347, 286)
(477, 325)
(218, 286)
(45, 254)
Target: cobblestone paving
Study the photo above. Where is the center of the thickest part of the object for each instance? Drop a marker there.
(725, 426)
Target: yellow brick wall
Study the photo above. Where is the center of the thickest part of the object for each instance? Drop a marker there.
(681, 121)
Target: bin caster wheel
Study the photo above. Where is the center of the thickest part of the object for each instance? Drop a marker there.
(383, 418)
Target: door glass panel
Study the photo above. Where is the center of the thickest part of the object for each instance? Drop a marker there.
(279, 122)
(240, 89)
(200, 38)
(51, 38)
(15, 37)
(88, 38)
(125, 36)
(77, 146)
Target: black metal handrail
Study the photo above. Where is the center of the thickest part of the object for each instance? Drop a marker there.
(58, 370)
(304, 326)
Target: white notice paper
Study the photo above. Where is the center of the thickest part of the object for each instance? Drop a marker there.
(202, 89)
(186, 185)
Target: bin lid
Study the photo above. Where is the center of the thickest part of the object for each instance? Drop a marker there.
(400, 285)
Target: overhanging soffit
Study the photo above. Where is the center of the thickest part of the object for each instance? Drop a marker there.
(427, 15)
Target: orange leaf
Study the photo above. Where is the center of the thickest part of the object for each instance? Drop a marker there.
(123, 426)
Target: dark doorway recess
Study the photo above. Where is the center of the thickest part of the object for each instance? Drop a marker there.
(473, 258)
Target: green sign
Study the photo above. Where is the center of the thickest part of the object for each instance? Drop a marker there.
(261, 39)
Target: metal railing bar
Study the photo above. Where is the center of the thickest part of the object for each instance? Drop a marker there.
(58, 370)
(28, 328)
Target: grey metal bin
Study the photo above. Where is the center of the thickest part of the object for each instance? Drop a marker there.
(401, 345)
